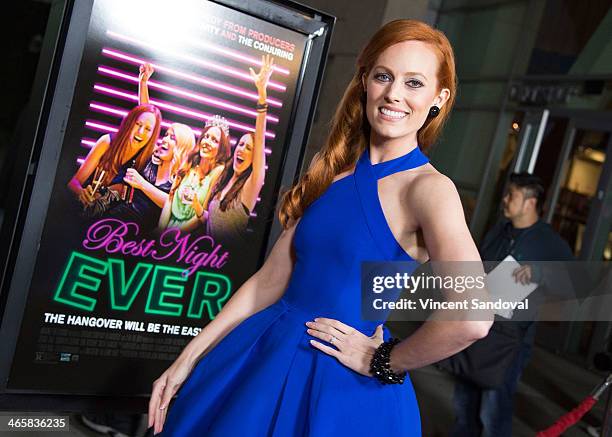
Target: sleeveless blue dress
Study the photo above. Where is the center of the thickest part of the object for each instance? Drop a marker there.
(264, 378)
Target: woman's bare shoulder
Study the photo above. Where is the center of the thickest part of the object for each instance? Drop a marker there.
(431, 184)
(431, 195)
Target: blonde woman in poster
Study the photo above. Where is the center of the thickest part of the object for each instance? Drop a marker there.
(184, 147)
(235, 195)
(154, 184)
(289, 354)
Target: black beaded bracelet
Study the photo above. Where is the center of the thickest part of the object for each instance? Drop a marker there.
(380, 367)
(261, 107)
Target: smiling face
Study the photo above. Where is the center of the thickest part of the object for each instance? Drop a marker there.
(143, 129)
(400, 89)
(209, 144)
(164, 151)
(243, 155)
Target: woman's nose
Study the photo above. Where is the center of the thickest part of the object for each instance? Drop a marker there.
(392, 93)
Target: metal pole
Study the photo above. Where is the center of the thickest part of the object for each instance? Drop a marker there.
(538, 140)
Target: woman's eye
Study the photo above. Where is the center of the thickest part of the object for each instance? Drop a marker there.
(413, 83)
(383, 77)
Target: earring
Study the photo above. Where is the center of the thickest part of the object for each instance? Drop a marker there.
(434, 111)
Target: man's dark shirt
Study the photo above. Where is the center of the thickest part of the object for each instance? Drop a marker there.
(538, 242)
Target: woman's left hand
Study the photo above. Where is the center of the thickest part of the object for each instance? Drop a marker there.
(197, 206)
(261, 79)
(133, 178)
(352, 348)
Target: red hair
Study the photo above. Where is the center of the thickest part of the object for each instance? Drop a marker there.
(350, 129)
(115, 156)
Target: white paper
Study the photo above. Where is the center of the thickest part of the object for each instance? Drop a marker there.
(502, 285)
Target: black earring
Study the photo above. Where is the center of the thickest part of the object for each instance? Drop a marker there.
(434, 111)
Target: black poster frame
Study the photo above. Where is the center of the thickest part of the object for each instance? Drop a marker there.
(44, 123)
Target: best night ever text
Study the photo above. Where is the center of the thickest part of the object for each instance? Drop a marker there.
(83, 274)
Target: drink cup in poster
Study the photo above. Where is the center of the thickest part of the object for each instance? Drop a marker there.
(188, 193)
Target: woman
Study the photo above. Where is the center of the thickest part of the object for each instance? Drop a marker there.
(155, 181)
(188, 198)
(184, 147)
(369, 194)
(235, 195)
(112, 155)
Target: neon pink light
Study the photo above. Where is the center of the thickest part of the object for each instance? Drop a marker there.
(115, 54)
(100, 126)
(80, 161)
(176, 109)
(224, 69)
(190, 95)
(88, 143)
(253, 214)
(224, 51)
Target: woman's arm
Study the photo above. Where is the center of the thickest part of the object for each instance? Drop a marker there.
(145, 72)
(200, 208)
(260, 291)
(447, 238)
(89, 165)
(255, 181)
(135, 179)
(164, 217)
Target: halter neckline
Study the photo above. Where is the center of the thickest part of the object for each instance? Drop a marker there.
(414, 158)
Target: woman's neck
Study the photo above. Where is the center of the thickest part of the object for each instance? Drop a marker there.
(131, 152)
(205, 167)
(163, 172)
(385, 149)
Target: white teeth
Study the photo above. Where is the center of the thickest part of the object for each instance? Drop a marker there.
(394, 114)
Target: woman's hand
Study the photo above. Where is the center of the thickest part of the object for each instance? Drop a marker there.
(197, 206)
(87, 196)
(134, 179)
(352, 348)
(261, 79)
(146, 70)
(164, 388)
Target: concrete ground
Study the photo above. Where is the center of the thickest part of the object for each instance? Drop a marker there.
(550, 387)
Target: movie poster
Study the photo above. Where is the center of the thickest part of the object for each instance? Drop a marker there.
(165, 188)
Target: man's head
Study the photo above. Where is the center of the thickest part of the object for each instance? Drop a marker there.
(524, 197)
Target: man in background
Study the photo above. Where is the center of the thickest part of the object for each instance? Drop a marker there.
(522, 234)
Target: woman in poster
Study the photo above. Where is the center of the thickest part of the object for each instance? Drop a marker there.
(290, 354)
(184, 147)
(235, 195)
(154, 184)
(191, 189)
(99, 180)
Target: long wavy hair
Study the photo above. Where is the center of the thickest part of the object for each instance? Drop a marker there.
(185, 145)
(116, 155)
(226, 175)
(350, 130)
(193, 159)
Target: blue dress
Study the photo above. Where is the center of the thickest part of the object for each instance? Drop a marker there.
(264, 378)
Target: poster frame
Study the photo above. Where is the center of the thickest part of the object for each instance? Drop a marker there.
(42, 129)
